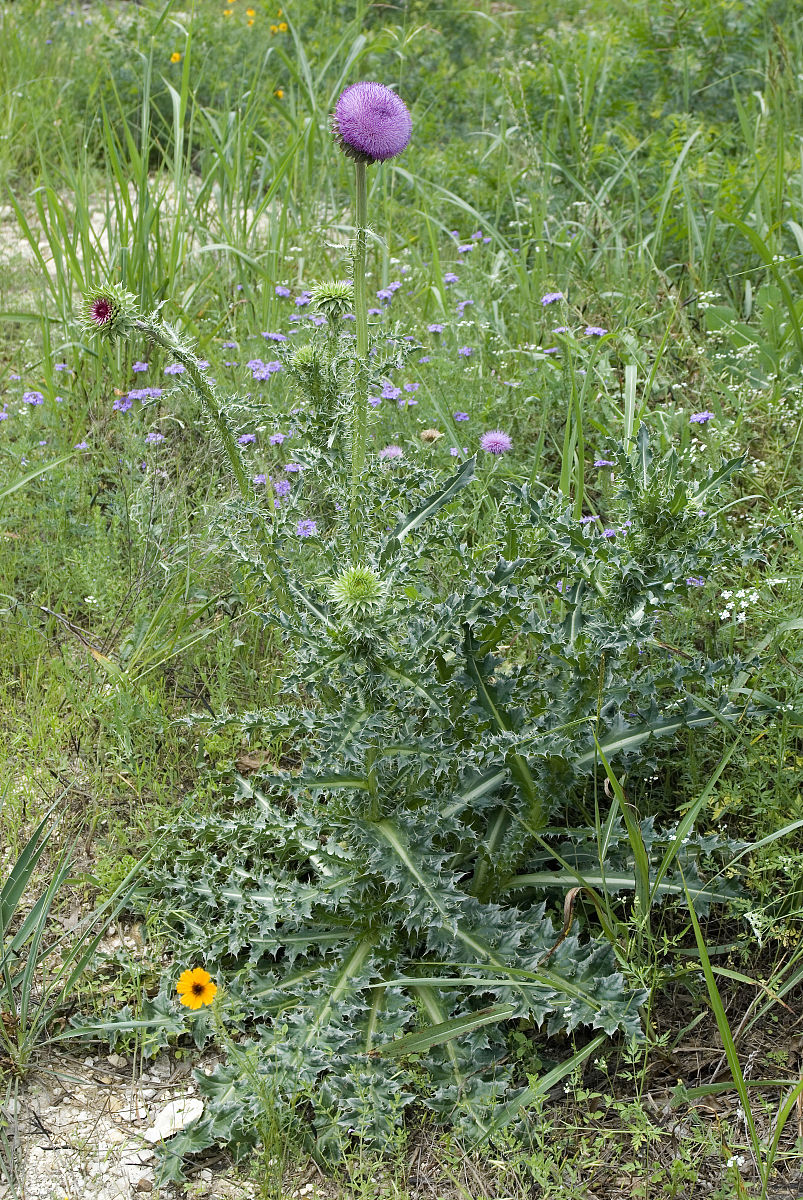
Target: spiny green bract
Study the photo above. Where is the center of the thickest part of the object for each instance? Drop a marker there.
(333, 298)
(358, 591)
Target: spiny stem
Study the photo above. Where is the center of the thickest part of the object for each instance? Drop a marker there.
(359, 416)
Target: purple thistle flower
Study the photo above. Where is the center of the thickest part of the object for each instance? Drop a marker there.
(551, 297)
(391, 452)
(436, 327)
(496, 442)
(174, 369)
(139, 366)
(371, 123)
(245, 439)
(276, 439)
(699, 418)
(281, 290)
(306, 528)
(101, 311)
(122, 404)
(465, 351)
(595, 331)
(460, 416)
(153, 438)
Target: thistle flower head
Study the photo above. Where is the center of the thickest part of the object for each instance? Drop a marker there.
(428, 436)
(358, 592)
(333, 298)
(496, 442)
(108, 310)
(371, 123)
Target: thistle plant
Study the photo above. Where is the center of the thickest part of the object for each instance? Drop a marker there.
(371, 124)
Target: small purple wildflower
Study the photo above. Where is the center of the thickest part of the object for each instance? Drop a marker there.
(609, 533)
(259, 480)
(275, 337)
(436, 327)
(203, 364)
(384, 294)
(496, 442)
(266, 370)
(292, 468)
(389, 392)
(281, 290)
(465, 351)
(153, 438)
(306, 528)
(33, 397)
(460, 416)
(3, 414)
(276, 439)
(603, 462)
(464, 249)
(174, 369)
(245, 439)
(61, 367)
(146, 393)
(551, 297)
(476, 236)
(281, 487)
(375, 312)
(701, 418)
(374, 401)
(81, 446)
(412, 387)
(15, 377)
(371, 123)
(137, 367)
(587, 520)
(561, 329)
(122, 404)
(303, 300)
(229, 345)
(463, 304)
(696, 581)
(595, 331)
(425, 359)
(450, 277)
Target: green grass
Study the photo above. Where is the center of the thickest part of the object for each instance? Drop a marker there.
(638, 158)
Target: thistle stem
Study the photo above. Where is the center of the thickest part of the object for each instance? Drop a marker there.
(359, 416)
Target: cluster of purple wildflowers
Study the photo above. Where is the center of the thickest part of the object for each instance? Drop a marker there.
(306, 528)
(281, 290)
(386, 293)
(551, 298)
(263, 370)
(246, 439)
(122, 404)
(146, 393)
(275, 337)
(153, 438)
(701, 418)
(174, 369)
(33, 398)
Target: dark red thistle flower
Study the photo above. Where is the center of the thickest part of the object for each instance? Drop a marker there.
(101, 311)
(371, 123)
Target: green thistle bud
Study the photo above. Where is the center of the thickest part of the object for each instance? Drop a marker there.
(333, 298)
(358, 592)
(109, 310)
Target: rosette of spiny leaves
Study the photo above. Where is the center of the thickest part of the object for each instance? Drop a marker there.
(389, 893)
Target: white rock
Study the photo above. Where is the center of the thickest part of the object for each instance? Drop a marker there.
(174, 1117)
(148, 1093)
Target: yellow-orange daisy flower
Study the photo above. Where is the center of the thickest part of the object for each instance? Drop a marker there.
(175, 56)
(279, 93)
(250, 12)
(196, 988)
(282, 27)
(274, 28)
